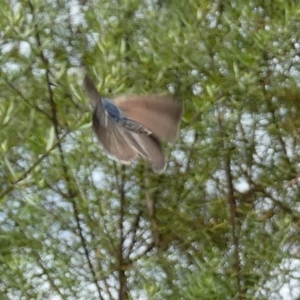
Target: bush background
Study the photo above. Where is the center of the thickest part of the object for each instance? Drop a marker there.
(222, 222)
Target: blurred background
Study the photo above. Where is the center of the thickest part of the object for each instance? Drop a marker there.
(222, 222)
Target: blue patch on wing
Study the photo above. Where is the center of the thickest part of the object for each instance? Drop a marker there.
(112, 110)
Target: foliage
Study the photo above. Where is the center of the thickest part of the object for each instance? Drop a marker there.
(222, 222)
